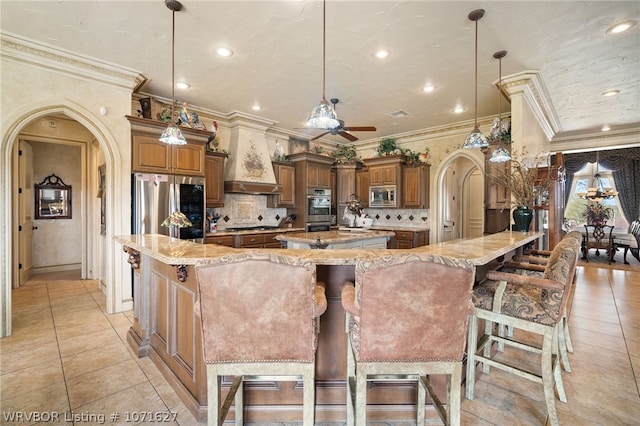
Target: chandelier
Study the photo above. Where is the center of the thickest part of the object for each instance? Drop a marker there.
(599, 192)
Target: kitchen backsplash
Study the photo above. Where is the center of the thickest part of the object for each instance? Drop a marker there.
(242, 210)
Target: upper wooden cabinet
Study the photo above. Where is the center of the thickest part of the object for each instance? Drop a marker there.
(149, 155)
(415, 186)
(385, 170)
(214, 178)
(318, 175)
(286, 178)
(362, 186)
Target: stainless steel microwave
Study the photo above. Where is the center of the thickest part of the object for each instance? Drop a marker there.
(382, 196)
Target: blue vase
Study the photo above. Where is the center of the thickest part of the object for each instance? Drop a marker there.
(522, 217)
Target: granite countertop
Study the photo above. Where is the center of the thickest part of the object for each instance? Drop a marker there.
(333, 237)
(223, 232)
(478, 251)
(399, 228)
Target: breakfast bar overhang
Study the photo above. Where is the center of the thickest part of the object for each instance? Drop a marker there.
(166, 329)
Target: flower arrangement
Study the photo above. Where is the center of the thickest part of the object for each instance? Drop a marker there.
(597, 214)
(387, 146)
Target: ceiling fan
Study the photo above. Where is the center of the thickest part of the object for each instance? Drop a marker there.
(342, 130)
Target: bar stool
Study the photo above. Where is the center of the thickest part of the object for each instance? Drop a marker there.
(260, 317)
(527, 303)
(406, 318)
(533, 265)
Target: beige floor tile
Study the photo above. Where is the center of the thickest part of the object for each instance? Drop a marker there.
(112, 379)
(92, 340)
(29, 356)
(94, 359)
(26, 380)
(130, 405)
(79, 329)
(52, 398)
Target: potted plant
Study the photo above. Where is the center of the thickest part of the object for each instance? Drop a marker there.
(387, 146)
(597, 214)
(345, 154)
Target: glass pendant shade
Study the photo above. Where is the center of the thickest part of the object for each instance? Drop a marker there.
(172, 135)
(476, 139)
(177, 219)
(323, 116)
(500, 155)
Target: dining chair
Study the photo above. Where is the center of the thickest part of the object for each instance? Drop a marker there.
(259, 314)
(598, 237)
(527, 303)
(406, 319)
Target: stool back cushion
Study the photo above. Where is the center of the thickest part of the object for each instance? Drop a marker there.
(257, 307)
(412, 308)
(561, 267)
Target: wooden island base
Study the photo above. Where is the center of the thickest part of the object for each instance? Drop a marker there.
(166, 329)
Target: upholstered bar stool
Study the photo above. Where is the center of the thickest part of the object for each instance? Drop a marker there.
(527, 303)
(406, 318)
(259, 314)
(534, 265)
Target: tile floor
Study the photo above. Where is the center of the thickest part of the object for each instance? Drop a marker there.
(51, 363)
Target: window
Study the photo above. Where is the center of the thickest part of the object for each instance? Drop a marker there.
(576, 206)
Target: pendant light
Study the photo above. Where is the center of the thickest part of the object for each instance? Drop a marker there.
(323, 116)
(500, 154)
(476, 138)
(172, 135)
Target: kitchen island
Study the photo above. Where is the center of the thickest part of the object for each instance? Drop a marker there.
(166, 329)
(357, 238)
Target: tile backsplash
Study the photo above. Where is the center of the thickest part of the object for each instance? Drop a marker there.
(242, 210)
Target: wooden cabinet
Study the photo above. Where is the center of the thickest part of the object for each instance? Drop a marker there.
(362, 186)
(149, 155)
(415, 186)
(175, 335)
(385, 170)
(334, 189)
(313, 171)
(286, 178)
(549, 206)
(223, 240)
(319, 175)
(409, 239)
(261, 240)
(496, 197)
(214, 178)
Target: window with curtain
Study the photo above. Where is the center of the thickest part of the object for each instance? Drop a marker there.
(576, 206)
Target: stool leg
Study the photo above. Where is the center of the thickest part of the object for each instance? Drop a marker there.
(548, 377)
(472, 345)
(309, 395)
(361, 396)
(213, 396)
(562, 346)
(239, 404)
(453, 395)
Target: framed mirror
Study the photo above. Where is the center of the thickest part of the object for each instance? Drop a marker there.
(53, 199)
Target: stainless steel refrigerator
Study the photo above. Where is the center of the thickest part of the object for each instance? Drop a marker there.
(155, 197)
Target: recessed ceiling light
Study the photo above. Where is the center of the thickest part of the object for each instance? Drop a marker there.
(611, 93)
(256, 107)
(429, 88)
(459, 110)
(182, 85)
(606, 128)
(225, 52)
(621, 27)
(381, 54)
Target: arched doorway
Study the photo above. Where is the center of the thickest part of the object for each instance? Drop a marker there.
(9, 248)
(460, 199)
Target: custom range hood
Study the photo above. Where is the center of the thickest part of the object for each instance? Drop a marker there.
(248, 169)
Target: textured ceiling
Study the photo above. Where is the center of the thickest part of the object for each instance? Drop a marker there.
(278, 55)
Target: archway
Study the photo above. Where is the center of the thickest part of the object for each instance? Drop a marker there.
(463, 162)
(19, 120)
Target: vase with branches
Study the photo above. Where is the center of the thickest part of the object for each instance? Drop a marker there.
(522, 181)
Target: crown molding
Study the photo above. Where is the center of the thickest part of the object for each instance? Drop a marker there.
(32, 53)
(531, 86)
